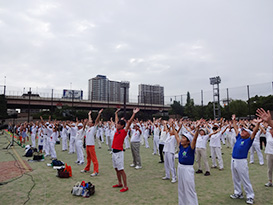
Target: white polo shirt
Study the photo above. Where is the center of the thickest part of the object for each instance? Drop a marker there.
(201, 141)
(135, 136)
(215, 140)
(170, 144)
(90, 135)
(269, 143)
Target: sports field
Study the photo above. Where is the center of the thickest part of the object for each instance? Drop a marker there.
(145, 185)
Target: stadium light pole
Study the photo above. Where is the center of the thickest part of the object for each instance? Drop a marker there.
(215, 81)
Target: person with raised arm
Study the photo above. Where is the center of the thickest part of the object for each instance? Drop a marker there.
(239, 165)
(90, 144)
(266, 117)
(185, 170)
(117, 146)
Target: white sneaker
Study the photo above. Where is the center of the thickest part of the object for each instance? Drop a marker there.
(268, 184)
(138, 167)
(237, 196)
(84, 171)
(165, 178)
(132, 165)
(94, 174)
(173, 180)
(249, 201)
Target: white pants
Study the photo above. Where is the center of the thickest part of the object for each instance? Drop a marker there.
(106, 140)
(72, 144)
(64, 142)
(141, 139)
(156, 145)
(169, 165)
(240, 174)
(79, 147)
(46, 145)
(230, 141)
(186, 185)
(33, 142)
(146, 141)
(127, 143)
(202, 153)
(216, 152)
(52, 150)
(256, 147)
(98, 141)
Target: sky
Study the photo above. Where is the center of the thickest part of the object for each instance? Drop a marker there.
(178, 44)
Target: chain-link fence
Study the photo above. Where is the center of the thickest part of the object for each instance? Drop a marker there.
(200, 98)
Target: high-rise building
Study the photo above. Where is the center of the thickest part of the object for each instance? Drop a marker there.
(101, 88)
(151, 94)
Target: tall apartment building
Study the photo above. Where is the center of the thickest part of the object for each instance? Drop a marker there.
(101, 88)
(151, 94)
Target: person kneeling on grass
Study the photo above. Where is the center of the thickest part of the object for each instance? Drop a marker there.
(117, 146)
(239, 167)
(185, 171)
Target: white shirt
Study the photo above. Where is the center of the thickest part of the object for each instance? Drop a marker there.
(135, 136)
(269, 143)
(80, 134)
(201, 141)
(162, 137)
(170, 144)
(215, 140)
(90, 135)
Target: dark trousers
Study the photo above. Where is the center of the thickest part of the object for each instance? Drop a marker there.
(161, 146)
(262, 139)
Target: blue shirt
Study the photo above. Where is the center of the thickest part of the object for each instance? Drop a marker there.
(186, 155)
(241, 147)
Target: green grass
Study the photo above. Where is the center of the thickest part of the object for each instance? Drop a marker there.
(145, 185)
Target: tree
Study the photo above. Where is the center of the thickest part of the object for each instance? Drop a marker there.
(239, 108)
(189, 107)
(177, 109)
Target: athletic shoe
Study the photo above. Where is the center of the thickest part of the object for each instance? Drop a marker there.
(173, 180)
(161, 162)
(199, 171)
(77, 162)
(117, 185)
(214, 167)
(124, 189)
(237, 196)
(80, 163)
(84, 171)
(268, 184)
(207, 173)
(132, 165)
(94, 174)
(249, 201)
(138, 167)
(165, 178)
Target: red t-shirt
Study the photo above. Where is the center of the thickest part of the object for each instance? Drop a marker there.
(119, 139)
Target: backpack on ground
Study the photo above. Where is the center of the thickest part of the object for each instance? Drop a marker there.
(56, 163)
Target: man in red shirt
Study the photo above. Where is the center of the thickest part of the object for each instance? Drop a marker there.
(117, 146)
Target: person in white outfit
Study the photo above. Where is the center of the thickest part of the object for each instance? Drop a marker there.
(169, 151)
(156, 138)
(72, 141)
(215, 147)
(52, 141)
(146, 135)
(34, 129)
(135, 147)
(266, 117)
(64, 136)
(256, 147)
(79, 142)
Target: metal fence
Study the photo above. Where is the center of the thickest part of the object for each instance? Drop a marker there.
(202, 97)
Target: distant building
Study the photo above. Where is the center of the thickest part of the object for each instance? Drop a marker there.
(101, 88)
(151, 94)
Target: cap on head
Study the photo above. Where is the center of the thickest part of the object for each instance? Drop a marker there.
(80, 125)
(188, 136)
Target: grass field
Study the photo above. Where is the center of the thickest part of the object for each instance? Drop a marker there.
(145, 185)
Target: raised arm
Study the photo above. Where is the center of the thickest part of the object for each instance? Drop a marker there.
(98, 117)
(176, 134)
(255, 130)
(89, 116)
(135, 111)
(265, 116)
(235, 125)
(116, 116)
(193, 142)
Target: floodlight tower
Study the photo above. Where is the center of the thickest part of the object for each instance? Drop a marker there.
(215, 81)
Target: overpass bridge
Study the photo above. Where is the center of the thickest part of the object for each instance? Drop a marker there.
(35, 102)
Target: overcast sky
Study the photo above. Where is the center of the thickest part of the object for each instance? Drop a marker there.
(178, 44)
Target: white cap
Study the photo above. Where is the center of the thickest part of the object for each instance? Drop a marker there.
(188, 136)
(80, 125)
(249, 131)
(73, 124)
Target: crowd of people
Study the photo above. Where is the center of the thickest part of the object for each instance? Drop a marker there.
(175, 138)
